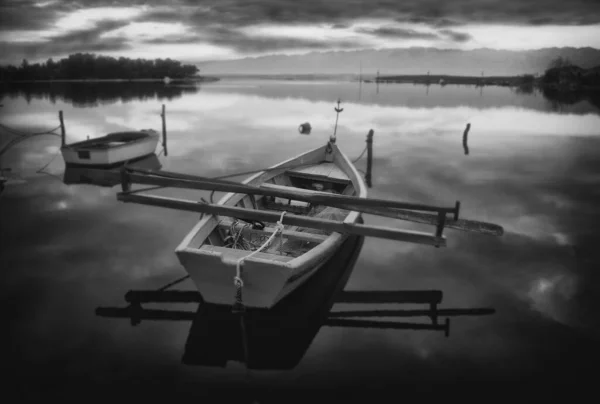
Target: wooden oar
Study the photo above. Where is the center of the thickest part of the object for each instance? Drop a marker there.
(427, 218)
(150, 177)
(418, 217)
(288, 219)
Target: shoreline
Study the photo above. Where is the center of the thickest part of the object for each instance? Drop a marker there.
(443, 79)
(522, 81)
(186, 80)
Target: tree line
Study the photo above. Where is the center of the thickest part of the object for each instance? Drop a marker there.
(82, 66)
(562, 73)
(94, 93)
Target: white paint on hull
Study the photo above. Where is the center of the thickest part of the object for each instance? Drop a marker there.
(214, 279)
(265, 281)
(75, 154)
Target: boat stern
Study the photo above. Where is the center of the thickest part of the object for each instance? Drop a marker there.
(213, 273)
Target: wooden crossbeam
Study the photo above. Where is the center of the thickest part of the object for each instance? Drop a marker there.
(289, 219)
(150, 177)
(438, 220)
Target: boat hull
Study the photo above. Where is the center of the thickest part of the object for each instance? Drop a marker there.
(89, 155)
(215, 280)
(265, 283)
(267, 278)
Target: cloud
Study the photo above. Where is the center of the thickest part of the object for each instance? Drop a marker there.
(81, 40)
(245, 43)
(23, 15)
(431, 21)
(456, 36)
(400, 33)
(340, 26)
(242, 12)
(427, 21)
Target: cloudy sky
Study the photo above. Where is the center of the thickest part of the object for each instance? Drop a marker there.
(201, 30)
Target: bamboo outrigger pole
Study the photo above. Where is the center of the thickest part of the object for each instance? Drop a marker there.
(289, 219)
(397, 210)
(164, 129)
(167, 179)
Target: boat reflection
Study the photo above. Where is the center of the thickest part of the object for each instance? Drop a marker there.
(277, 339)
(108, 176)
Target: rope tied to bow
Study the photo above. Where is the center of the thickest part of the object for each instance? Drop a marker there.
(237, 279)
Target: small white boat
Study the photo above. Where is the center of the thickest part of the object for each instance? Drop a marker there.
(310, 205)
(210, 250)
(112, 149)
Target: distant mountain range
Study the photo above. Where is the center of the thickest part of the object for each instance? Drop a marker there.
(406, 61)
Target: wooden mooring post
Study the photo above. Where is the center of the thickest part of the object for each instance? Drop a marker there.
(369, 157)
(466, 138)
(63, 132)
(164, 129)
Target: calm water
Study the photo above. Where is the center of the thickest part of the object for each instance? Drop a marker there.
(533, 167)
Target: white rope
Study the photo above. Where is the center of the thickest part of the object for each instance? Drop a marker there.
(237, 280)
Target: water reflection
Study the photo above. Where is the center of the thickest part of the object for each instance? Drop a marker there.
(93, 94)
(278, 339)
(563, 100)
(104, 177)
(69, 248)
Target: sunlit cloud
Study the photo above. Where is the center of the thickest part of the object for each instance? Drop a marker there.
(18, 36)
(321, 31)
(148, 30)
(88, 17)
(174, 51)
(383, 34)
(43, 4)
(531, 37)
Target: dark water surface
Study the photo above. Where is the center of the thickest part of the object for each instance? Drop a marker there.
(533, 167)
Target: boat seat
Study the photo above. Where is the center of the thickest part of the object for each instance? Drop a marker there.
(320, 172)
(276, 187)
(348, 191)
(234, 253)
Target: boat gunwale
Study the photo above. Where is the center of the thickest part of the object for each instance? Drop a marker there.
(87, 145)
(320, 252)
(184, 244)
(309, 258)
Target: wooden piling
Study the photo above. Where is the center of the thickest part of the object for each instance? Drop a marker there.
(465, 138)
(164, 129)
(369, 158)
(63, 133)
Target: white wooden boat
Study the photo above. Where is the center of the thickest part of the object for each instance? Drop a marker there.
(311, 204)
(209, 252)
(112, 149)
